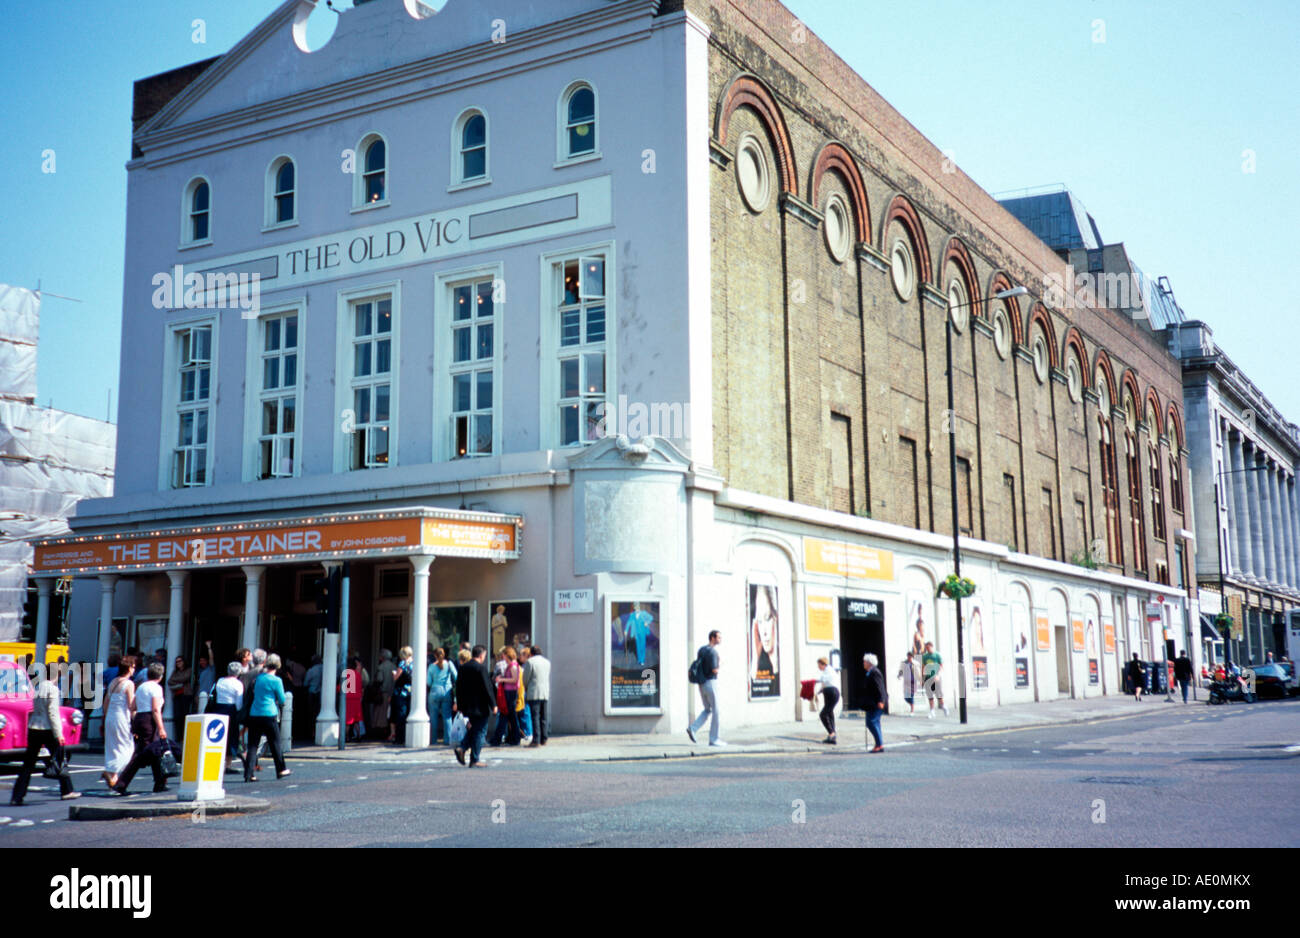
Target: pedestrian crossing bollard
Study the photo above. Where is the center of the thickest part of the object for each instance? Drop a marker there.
(203, 760)
(286, 723)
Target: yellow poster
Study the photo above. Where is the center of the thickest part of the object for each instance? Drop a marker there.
(1076, 634)
(821, 618)
(1044, 634)
(847, 560)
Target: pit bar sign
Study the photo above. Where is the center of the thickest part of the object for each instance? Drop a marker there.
(243, 544)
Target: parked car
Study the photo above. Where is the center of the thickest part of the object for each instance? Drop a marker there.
(16, 694)
(1271, 680)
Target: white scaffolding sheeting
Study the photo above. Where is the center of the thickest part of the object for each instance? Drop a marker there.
(49, 459)
(20, 318)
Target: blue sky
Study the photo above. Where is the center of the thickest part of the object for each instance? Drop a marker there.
(1148, 128)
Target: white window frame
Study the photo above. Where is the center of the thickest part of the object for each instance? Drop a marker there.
(187, 198)
(549, 330)
(443, 431)
(171, 402)
(255, 394)
(458, 179)
(359, 203)
(343, 364)
(562, 155)
(270, 222)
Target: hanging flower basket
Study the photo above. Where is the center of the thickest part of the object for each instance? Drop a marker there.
(1223, 622)
(955, 587)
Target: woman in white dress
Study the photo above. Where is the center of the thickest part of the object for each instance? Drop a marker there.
(119, 745)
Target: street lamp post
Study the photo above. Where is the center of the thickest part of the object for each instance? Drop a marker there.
(952, 481)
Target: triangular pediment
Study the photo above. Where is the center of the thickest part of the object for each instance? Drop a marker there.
(621, 452)
(373, 38)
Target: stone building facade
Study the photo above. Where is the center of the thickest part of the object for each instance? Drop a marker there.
(712, 384)
(1244, 459)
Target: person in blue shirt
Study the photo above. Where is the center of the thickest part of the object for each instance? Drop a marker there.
(264, 718)
(638, 630)
(442, 686)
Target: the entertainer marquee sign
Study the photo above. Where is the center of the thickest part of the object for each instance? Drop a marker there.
(558, 210)
(364, 534)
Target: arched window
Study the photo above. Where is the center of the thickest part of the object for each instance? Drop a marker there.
(578, 122)
(1157, 483)
(376, 169)
(1175, 476)
(371, 173)
(197, 221)
(470, 144)
(1134, 472)
(1110, 491)
(281, 208)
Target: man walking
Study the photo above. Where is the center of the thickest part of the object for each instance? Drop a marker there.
(876, 699)
(537, 691)
(44, 728)
(709, 662)
(910, 676)
(932, 671)
(476, 698)
(1183, 672)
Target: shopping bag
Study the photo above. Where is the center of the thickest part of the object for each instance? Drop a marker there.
(459, 727)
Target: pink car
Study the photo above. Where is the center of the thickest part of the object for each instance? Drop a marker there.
(16, 693)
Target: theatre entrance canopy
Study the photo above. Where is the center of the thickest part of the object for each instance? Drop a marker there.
(435, 532)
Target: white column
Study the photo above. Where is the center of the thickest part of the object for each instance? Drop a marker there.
(44, 586)
(417, 722)
(1288, 528)
(107, 584)
(1295, 532)
(1283, 526)
(252, 620)
(175, 634)
(1258, 565)
(1240, 507)
(327, 722)
(1275, 518)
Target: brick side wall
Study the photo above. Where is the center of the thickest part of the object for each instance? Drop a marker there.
(799, 336)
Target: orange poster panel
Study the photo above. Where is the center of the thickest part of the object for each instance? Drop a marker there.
(468, 535)
(821, 618)
(1076, 634)
(847, 560)
(1108, 633)
(1044, 629)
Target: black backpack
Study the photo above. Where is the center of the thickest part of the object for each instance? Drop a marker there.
(698, 673)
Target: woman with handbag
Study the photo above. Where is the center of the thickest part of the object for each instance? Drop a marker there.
(228, 698)
(353, 679)
(147, 725)
(508, 728)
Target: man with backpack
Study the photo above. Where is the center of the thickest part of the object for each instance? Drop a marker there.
(704, 671)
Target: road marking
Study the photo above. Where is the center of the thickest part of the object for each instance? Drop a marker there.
(1035, 751)
(291, 786)
(5, 820)
(48, 820)
(1292, 749)
(23, 823)
(362, 778)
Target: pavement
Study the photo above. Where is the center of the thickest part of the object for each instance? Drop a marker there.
(794, 736)
(161, 805)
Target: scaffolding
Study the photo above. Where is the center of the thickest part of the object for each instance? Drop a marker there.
(49, 459)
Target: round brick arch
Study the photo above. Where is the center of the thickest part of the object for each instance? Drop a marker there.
(902, 211)
(1038, 314)
(1153, 405)
(1102, 362)
(1129, 384)
(746, 90)
(1172, 419)
(957, 255)
(834, 157)
(1074, 340)
(997, 284)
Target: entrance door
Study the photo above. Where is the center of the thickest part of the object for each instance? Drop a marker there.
(390, 635)
(857, 638)
(1062, 661)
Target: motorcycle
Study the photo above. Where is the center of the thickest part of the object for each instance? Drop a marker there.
(1230, 689)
